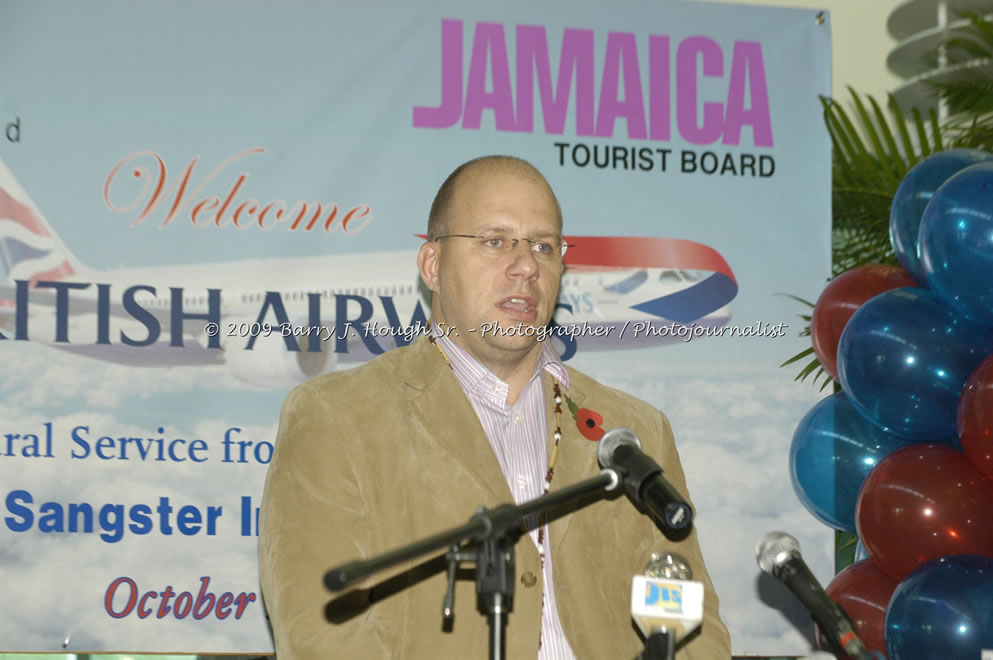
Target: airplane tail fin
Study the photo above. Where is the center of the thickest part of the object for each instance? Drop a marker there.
(29, 247)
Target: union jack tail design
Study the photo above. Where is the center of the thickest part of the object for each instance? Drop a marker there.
(29, 248)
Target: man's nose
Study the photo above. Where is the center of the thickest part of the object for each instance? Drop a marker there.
(522, 259)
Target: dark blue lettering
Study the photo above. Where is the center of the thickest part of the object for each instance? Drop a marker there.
(314, 317)
(74, 514)
(105, 442)
(21, 313)
(417, 319)
(141, 521)
(275, 301)
(80, 441)
(177, 316)
(112, 522)
(62, 306)
(103, 313)
(341, 318)
(141, 314)
(14, 506)
(188, 520)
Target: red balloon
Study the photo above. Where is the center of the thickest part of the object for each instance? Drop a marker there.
(839, 300)
(864, 590)
(975, 417)
(924, 502)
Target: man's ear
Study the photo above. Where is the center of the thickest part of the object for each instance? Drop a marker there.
(427, 265)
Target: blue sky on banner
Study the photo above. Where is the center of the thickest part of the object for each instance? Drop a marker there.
(289, 122)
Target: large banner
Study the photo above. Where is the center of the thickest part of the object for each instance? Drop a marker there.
(203, 204)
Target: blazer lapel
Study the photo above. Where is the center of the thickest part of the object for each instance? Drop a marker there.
(442, 411)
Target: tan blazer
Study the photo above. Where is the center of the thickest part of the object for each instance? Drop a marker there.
(376, 457)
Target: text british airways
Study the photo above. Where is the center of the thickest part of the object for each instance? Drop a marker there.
(129, 306)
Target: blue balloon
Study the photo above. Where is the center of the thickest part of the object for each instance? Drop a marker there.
(834, 448)
(956, 243)
(913, 195)
(944, 609)
(904, 358)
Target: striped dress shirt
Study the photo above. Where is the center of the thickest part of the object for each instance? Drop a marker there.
(517, 434)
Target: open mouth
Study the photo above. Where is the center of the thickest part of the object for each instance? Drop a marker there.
(521, 308)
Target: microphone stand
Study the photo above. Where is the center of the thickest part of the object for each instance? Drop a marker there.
(496, 530)
(660, 645)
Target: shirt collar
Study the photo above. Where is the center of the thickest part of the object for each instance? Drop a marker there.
(471, 373)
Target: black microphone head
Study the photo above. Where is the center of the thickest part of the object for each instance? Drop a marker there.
(774, 549)
(609, 443)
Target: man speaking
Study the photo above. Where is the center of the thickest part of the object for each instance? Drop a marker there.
(409, 444)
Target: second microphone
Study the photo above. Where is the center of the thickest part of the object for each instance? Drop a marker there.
(644, 481)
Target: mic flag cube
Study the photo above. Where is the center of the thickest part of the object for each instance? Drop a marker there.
(676, 605)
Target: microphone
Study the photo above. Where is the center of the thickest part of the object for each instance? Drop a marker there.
(778, 554)
(666, 606)
(643, 481)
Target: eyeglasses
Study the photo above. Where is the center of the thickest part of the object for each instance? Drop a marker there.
(498, 244)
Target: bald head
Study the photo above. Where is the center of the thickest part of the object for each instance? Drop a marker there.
(439, 219)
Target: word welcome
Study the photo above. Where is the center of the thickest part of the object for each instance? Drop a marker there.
(175, 197)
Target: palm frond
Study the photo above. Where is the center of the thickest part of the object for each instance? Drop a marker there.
(873, 151)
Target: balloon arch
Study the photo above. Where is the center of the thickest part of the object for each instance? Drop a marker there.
(903, 455)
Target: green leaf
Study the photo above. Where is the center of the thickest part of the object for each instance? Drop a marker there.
(872, 133)
(897, 163)
(922, 138)
(573, 408)
(935, 130)
(809, 369)
(798, 356)
(796, 298)
(908, 145)
(844, 550)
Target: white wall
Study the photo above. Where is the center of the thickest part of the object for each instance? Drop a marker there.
(859, 42)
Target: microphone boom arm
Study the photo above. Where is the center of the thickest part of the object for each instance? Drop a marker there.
(497, 531)
(484, 524)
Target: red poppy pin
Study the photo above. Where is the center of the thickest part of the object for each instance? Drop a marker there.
(589, 422)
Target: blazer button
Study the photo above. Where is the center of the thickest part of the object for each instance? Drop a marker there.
(528, 579)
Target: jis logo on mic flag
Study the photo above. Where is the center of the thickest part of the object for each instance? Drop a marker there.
(668, 597)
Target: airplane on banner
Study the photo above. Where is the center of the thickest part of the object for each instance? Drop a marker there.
(278, 321)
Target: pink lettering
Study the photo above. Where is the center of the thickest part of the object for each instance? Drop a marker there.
(489, 54)
(747, 64)
(698, 68)
(659, 82)
(576, 59)
(450, 110)
(622, 53)
(687, 91)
